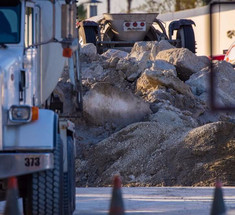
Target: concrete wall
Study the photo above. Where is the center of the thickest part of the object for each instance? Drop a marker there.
(223, 21)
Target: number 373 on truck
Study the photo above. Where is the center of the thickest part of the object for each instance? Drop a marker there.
(38, 40)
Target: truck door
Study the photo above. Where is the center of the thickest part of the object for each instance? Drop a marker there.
(32, 54)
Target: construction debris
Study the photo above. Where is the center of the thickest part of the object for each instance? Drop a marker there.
(147, 117)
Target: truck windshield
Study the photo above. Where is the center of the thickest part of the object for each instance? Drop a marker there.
(10, 23)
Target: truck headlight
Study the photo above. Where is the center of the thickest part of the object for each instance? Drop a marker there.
(23, 113)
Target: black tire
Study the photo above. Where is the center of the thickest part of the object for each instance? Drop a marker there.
(45, 196)
(186, 35)
(69, 180)
(87, 34)
(151, 35)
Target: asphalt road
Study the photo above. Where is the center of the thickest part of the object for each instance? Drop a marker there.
(152, 200)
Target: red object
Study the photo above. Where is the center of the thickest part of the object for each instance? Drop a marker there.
(142, 24)
(117, 181)
(217, 57)
(12, 183)
(135, 24)
(67, 52)
(127, 24)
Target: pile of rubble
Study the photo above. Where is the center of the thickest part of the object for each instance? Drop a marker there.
(146, 117)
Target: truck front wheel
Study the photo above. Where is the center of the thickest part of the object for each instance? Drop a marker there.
(45, 194)
(187, 39)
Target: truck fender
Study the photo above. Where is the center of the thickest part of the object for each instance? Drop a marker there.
(37, 135)
(176, 25)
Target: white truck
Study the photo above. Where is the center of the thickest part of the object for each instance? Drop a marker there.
(36, 145)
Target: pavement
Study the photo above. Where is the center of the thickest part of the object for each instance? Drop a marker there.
(154, 200)
(151, 200)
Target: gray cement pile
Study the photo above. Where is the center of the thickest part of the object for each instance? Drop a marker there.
(147, 117)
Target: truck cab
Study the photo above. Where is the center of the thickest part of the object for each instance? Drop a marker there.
(36, 145)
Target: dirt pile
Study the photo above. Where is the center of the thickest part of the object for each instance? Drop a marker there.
(155, 154)
(146, 116)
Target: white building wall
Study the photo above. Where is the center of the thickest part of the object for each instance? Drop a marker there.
(223, 21)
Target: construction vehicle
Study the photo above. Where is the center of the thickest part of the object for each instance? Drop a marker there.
(122, 30)
(38, 39)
